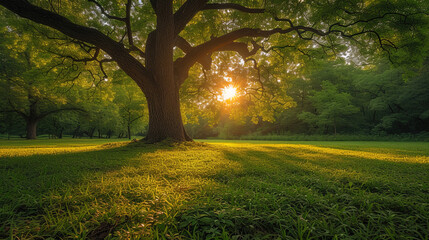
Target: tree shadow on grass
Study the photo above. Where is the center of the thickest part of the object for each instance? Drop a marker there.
(286, 163)
(43, 172)
(373, 172)
(32, 185)
(127, 191)
(287, 192)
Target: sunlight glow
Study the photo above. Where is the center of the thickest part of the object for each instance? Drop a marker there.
(228, 93)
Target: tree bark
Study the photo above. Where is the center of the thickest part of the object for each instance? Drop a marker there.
(90, 132)
(165, 119)
(32, 117)
(76, 132)
(31, 129)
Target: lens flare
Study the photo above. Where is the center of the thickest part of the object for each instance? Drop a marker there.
(228, 93)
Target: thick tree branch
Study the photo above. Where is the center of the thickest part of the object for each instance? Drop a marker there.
(128, 23)
(140, 52)
(185, 14)
(183, 44)
(90, 35)
(233, 6)
(217, 43)
(241, 48)
(187, 47)
(153, 4)
(205, 60)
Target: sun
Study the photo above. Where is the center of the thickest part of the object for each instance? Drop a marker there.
(228, 93)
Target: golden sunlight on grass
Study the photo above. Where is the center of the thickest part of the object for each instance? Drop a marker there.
(316, 152)
(391, 157)
(228, 92)
(20, 151)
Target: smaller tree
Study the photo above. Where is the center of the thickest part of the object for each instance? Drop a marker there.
(102, 118)
(57, 125)
(131, 104)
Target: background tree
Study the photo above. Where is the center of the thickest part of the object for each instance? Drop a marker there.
(29, 86)
(397, 100)
(332, 108)
(59, 124)
(130, 103)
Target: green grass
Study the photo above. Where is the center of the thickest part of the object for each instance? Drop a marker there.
(90, 189)
(423, 136)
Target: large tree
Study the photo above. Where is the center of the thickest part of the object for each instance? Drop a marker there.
(156, 30)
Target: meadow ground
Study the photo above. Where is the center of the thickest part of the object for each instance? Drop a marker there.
(93, 189)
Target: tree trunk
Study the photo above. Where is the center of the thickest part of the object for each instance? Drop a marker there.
(90, 133)
(165, 119)
(76, 132)
(129, 131)
(31, 129)
(335, 127)
(109, 133)
(32, 118)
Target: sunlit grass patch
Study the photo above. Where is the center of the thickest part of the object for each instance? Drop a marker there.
(66, 142)
(391, 157)
(22, 151)
(214, 191)
(312, 151)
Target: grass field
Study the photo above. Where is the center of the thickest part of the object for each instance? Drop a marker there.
(93, 189)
